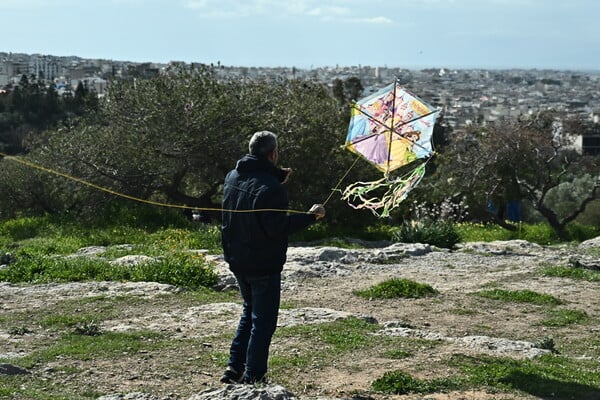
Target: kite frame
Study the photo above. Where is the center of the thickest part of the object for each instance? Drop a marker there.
(399, 187)
(392, 129)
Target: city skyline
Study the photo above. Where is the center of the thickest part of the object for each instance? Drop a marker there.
(492, 34)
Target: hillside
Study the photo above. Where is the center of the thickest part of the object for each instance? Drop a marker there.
(152, 341)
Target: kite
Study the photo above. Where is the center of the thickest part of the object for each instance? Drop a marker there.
(392, 128)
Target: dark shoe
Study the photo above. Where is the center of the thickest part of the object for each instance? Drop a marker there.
(231, 376)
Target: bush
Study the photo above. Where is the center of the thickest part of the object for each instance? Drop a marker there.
(23, 228)
(440, 234)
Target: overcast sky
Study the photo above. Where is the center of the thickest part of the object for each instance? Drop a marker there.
(543, 34)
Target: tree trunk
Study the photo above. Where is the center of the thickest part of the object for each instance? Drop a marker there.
(558, 226)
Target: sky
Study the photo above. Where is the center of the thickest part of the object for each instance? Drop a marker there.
(491, 34)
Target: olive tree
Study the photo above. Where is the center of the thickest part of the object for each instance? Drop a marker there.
(519, 160)
(173, 138)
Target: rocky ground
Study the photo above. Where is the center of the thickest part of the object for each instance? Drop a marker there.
(318, 286)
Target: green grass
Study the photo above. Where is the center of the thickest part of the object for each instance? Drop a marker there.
(520, 296)
(572, 273)
(322, 343)
(397, 288)
(341, 336)
(548, 376)
(444, 234)
(75, 347)
(557, 318)
(67, 315)
(545, 377)
(35, 248)
(25, 387)
(540, 233)
(397, 354)
(178, 268)
(103, 346)
(398, 382)
(342, 342)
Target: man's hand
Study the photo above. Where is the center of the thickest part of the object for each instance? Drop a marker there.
(318, 210)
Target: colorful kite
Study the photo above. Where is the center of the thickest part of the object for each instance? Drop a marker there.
(390, 129)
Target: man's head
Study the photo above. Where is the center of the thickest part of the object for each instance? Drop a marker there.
(264, 144)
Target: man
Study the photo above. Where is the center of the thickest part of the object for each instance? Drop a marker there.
(255, 234)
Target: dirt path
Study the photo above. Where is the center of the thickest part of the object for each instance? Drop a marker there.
(318, 286)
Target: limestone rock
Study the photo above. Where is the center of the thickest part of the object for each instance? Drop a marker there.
(245, 392)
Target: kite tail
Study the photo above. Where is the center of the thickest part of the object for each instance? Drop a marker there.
(358, 195)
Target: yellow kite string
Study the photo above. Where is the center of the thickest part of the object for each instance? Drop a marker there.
(126, 196)
(340, 181)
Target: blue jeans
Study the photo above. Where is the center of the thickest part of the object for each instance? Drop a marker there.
(250, 346)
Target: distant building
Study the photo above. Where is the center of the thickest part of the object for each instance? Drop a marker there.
(44, 68)
(6, 72)
(93, 84)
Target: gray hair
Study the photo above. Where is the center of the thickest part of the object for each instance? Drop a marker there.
(262, 143)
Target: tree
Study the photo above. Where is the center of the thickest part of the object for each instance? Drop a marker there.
(173, 138)
(513, 160)
(83, 101)
(338, 91)
(353, 88)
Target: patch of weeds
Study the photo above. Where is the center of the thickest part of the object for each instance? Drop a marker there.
(397, 354)
(347, 334)
(179, 268)
(59, 321)
(548, 376)
(570, 272)
(41, 268)
(87, 329)
(437, 233)
(108, 345)
(565, 317)
(398, 382)
(41, 388)
(397, 288)
(547, 343)
(170, 239)
(19, 330)
(23, 228)
(520, 296)
(342, 336)
(294, 359)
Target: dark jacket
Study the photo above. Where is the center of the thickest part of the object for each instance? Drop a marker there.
(255, 243)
